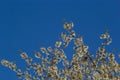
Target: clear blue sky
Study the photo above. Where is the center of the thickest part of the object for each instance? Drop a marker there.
(29, 24)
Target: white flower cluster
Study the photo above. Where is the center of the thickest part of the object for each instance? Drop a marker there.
(106, 37)
(83, 65)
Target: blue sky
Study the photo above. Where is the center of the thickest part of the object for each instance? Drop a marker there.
(29, 24)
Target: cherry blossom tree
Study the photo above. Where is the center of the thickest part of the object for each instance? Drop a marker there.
(83, 65)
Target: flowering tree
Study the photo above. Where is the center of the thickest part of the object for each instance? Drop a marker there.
(83, 65)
